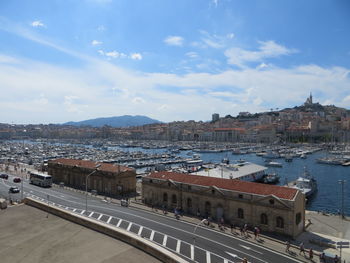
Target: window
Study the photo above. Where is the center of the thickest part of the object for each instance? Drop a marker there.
(151, 181)
(165, 197)
(272, 201)
(189, 187)
(279, 222)
(263, 219)
(240, 213)
(169, 184)
(212, 191)
(240, 196)
(297, 218)
(189, 202)
(174, 199)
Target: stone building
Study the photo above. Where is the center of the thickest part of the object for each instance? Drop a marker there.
(273, 208)
(108, 179)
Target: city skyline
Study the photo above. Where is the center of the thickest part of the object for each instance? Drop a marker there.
(169, 60)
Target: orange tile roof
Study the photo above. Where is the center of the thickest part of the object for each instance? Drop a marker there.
(114, 168)
(228, 184)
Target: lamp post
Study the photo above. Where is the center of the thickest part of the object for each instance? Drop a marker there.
(194, 231)
(86, 184)
(21, 169)
(342, 182)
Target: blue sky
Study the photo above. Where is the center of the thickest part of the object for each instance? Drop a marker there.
(170, 60)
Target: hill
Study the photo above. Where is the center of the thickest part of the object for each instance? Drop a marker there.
(117, 121)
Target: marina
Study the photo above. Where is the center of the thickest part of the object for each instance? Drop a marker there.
(153, 155)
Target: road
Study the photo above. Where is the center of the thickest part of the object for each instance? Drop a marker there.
(205, 245)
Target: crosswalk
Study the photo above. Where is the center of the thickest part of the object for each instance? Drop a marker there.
(184, 249)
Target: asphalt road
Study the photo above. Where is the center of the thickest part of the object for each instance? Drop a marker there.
(205, 245)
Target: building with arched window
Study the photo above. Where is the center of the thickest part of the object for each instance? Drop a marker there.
(273, 208)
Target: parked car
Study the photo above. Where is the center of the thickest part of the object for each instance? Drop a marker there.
(14, 189)
(4, 176)
(16, 180)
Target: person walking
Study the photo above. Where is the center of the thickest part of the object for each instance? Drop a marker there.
(336, 259)
(311, 254)
(302, 248)
(287, 246)
(255, 232)
(322, 257)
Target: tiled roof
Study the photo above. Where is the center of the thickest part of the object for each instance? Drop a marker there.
(91, 165)
(228, 184)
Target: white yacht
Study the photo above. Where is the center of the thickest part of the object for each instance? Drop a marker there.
(306, 184)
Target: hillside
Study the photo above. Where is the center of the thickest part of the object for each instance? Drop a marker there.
(117, 121)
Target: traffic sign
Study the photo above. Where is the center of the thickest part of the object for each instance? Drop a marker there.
(343, 244)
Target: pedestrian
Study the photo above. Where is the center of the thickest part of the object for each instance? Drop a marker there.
(258, 232)
(245, 260)
(322, 257)
(311, 254)
(336, 259)
(198, 213)
(302, 248)
(287, 246)
(232, 228)
(255, 232)
(241, 230)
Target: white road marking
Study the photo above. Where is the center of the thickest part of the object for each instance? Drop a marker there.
(140, 231)
(129, 226)
(192, 252)
(74, 210)
(109, 219)
(249, 248)
(91, 214)
(225, 260)
(164, 240)
(82, 212)
(178, 246)
(119, 222)
(152, 235)
(100, 217)
(208, 256)
(233, 255)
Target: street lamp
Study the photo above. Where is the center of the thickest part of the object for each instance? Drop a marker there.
(342, 182)
(21, 169)
(86, 184)
(195, 228)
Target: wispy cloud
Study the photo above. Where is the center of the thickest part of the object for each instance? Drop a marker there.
(213, 41)
(112, 54)
(37, 23)
(96, 42)
(192, 54)
(267, 49)
(136, 56)
(174, 41)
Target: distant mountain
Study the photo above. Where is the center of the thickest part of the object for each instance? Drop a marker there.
(118, 121)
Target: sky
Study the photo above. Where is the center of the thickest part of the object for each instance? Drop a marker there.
(169, 60)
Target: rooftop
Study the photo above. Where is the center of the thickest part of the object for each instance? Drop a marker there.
(233, 171)
(107, 167)
(227, 184)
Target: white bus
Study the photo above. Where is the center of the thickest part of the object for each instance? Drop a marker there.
(40, 179)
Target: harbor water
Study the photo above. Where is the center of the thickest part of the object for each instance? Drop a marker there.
(327, 199)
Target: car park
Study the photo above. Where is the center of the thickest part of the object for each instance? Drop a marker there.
(4, 176)
(16, 180)
(14, 190)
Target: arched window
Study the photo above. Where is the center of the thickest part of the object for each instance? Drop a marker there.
(279, 222)
(207, 208)
(240, 213)
(189, 202)
(263, 219)
(165, 197)
(174, 199)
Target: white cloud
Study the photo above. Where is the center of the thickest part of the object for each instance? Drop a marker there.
(213, 41)
(136, 56)
(96, 42)
(192, 54)
(138, 100)
(215, 2)
(174, 41)
(268, 49)
(37, 23)
(112, 54)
